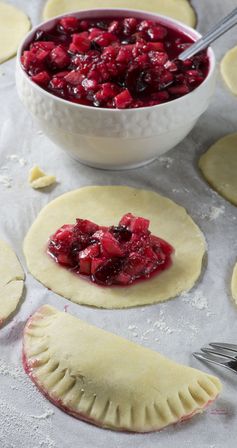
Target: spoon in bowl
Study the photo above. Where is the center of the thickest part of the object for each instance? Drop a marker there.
(216, 31)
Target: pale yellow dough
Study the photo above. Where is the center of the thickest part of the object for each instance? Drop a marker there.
(112, 382)
(228, 69)
(177, 9)
(14, 24)
(234, 284)
(38, 179)
(219, 167)
(11, 281)
(105, 206)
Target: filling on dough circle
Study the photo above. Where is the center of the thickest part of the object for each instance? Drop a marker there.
(177, 9)
(115, 255)
(105, 205)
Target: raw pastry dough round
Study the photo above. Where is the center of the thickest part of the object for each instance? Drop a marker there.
(177, 9)
(14, 24)
(234, 284)
(107, 380)
(105, 205)
(219, 167)
(11, 281)
(228, 69)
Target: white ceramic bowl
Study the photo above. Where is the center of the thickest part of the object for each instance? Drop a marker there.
(112, 138)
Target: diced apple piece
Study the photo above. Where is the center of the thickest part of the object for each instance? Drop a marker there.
(41, 78)
(81, 42)
(70, 24)
(123, 99)
(59, 58)
(85, 266)
(86, 226)
(111, 246)
(139, 225)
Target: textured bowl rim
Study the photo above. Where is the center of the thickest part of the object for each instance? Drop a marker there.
(123, 12)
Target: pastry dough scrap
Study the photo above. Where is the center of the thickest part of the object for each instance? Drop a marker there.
(228, 69)
(219, 167)
(11, 281)
(234, 284)
(38, 179)
(14, 24)
(107, 380)
(177, 9)
(105, 206)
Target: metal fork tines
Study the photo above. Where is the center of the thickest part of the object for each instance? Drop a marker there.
(219, 353)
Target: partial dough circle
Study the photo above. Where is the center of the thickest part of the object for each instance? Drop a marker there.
(107, 380)
(14, 24)
(234, 284)
(105, 206)
(177, 9)
(228, 69)
(11, 281)
(219, 167)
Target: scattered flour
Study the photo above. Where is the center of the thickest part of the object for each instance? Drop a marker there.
(196, 299)
(16, 158)
(132, 327)
(17, 425)
(43, 416)
(153, 327)
(213, 213)
(166, 161)
(6, 180)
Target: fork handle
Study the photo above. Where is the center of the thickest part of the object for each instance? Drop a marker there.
(220, 28)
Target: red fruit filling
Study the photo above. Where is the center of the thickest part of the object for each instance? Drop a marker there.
(116, 255)
(113, 62)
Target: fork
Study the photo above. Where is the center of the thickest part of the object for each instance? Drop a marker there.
(219, 353)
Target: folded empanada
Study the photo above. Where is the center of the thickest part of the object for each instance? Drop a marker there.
(107, 380)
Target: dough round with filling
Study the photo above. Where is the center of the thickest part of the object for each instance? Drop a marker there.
(105, 205)
(107, 380)
(177, 9)
(219, 167)
(234, 284)
(14, 24)
(228, 69)
(11, 281)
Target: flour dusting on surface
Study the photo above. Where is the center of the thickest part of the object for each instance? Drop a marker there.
(196, 299)
(213, 213)
(6, 180)
(16, 158)
(43, 416)
(16, 423)
(166, 161)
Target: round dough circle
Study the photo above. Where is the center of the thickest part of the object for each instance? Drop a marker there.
(234, 284)
(11, 281)
(177, 9)
(105, 205)
(14, 24)
(219, 167)
(228, 69)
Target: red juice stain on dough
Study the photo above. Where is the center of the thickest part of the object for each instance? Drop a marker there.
(116, 62)
(117, 255)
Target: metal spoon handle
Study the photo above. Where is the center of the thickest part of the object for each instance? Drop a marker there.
(220, 28)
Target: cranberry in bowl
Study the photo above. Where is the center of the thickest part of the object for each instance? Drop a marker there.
(107, 86)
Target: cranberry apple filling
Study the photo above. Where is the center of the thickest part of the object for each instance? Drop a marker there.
(116, 255)
(113, 62)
